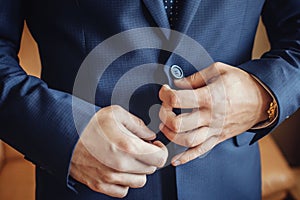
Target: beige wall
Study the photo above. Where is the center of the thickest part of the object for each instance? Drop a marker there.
(261, 43)
(29, 56)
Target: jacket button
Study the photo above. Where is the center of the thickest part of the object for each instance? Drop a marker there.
(176, 72)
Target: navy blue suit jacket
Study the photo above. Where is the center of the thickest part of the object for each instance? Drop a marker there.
(36, 115)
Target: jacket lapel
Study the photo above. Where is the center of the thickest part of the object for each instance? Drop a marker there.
(185, 18)
(187, 13)
(157, 11)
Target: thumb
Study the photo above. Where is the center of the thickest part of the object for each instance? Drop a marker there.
(193, 81)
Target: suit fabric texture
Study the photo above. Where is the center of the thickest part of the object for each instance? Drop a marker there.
(36, 114)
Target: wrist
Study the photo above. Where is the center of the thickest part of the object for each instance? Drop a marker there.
(269, 107)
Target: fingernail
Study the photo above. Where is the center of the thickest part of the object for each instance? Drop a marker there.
(152, 137)
(176, 163)
(158, 143)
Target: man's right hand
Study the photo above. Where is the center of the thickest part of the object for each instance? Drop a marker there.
(113, 153)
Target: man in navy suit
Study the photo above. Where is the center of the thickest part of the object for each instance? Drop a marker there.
(211, 113)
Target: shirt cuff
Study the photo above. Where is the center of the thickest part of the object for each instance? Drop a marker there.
(269, 122)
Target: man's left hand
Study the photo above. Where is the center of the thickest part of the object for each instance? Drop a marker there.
(225, 102)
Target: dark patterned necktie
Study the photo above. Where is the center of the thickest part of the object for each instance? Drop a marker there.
(172, 7)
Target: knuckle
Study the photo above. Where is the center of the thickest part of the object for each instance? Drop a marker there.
(222, 135)
(106, 189)
(161, 114)
(108, 178)
(151, 170)
(139, 122)
(173, 100)
(217, 64)
(190, 141)
(190, 156)
(201, 150)
(98, 187)
(106, 120)
(175, 124)
(119, 166)
(206, 99)
(117, 108)
(193, 79)
(160, 93)
(205, 120)
(197, 95)
(109, 114)
(185, 159)
(124, 146)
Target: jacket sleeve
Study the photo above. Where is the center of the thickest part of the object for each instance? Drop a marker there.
(34, 119)
(279, 69)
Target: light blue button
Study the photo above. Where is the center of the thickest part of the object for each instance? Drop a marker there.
(176, 72)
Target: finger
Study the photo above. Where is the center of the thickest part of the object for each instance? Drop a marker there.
(184, 122)
(130, 145)
(187, 139)
(127, 180)
(150, 154)
(124, 149)
(193, 81)
(135, 125)
(161, 145)
(201, 78)
(125, 163)
(132, 165)
(111, 190)
(157, 158)
(185, 99)
(96, 178)
(166, 114)
(194, 152)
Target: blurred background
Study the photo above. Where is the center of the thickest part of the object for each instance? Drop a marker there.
(280, 151)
